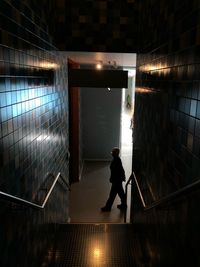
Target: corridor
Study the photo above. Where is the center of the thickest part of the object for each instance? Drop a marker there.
(91, 192)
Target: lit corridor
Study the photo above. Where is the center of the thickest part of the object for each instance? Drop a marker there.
(91, 192)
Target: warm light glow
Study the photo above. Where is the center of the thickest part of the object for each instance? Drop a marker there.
(99, 66)
(157, 67)
(43, 64)
(48, 65)
(97, 253)
(144, 90)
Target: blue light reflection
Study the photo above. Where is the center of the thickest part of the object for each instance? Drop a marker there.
(15, 103)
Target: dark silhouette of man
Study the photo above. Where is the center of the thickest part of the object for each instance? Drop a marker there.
(116, 179)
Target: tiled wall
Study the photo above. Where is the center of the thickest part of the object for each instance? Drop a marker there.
(167, 99)
(96, 25)
(33, 127)
(167, 115)
(166, 122)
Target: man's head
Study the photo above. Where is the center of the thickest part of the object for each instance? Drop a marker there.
(115, 152)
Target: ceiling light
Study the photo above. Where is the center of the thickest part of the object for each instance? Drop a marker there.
(99, 65)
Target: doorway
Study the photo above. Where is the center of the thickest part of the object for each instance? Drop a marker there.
(89, 195)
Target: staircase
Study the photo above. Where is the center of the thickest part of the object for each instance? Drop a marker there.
(92, 245)
(117, 245)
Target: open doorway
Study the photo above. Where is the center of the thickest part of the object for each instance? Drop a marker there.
(90, 194)
(100, 115)
(105, 123)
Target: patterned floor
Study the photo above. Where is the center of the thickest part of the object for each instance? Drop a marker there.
(92, 245)
(119, 245)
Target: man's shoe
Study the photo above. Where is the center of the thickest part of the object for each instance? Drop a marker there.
(105, 209)
(122, 206)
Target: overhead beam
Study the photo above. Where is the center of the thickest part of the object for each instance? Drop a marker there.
(98, 78)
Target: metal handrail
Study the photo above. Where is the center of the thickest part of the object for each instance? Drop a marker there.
(126, 190)
(66, 184)
(164, 199)
(32, 204)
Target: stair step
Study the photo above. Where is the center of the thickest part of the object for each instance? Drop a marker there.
(117, 245)
(95, 245)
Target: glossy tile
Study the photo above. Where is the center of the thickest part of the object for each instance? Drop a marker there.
(33, 129)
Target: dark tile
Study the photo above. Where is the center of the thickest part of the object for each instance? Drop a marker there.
(190, 142)
(187, 106)
(196, 146)
(197, 128)
(191, 124)
(198, 110)
(181, 104)
(195, 91)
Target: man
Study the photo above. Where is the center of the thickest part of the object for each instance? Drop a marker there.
(116, 179)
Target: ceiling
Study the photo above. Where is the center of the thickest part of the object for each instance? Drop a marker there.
(125, 60)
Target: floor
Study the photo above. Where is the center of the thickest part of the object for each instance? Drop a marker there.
(118, 245)
(90, 194)
(92, 245)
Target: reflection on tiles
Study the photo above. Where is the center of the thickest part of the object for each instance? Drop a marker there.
(33, 130)
(92, 246)
(121, 245)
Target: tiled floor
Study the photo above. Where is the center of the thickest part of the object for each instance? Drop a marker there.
(92, 245)
(119, 245)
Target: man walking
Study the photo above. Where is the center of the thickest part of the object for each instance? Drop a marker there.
(116, 179)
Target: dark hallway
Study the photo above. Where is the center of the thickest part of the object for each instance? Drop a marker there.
(37, 40)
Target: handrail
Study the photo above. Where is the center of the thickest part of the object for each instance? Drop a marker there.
(126, 190)
(32, 204)
(67, 185)
(164, 199)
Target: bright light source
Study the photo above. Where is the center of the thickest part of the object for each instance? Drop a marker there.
(108, 88)
(99, 66)
(96, 253)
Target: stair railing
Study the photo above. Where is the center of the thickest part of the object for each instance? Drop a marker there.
(169, 197)
(22, 201)
(163, 200)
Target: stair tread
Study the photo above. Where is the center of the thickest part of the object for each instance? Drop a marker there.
(93, 245)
